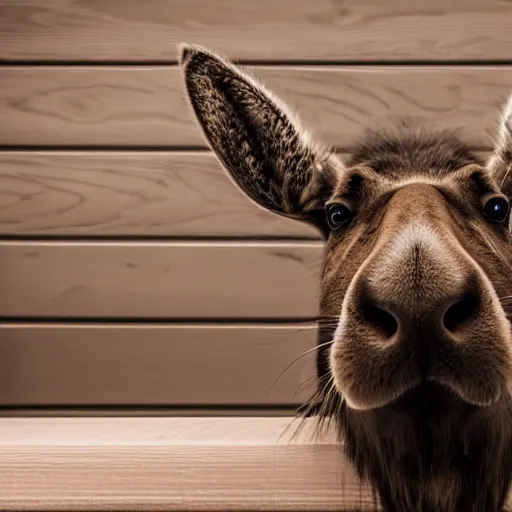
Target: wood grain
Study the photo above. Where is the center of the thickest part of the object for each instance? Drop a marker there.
(155, 365)
(122, 106)
(179, 464)
(357, 30)
(173, 194)
(122, 194)
(164, 280)
(206, 431)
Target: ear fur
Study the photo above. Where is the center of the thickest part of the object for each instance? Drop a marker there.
(500, 164)
(256, 138)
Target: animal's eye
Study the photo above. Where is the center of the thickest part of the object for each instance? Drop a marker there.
(338, 215)
(497, 208)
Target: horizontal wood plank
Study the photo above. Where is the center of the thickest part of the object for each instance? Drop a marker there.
(269, 29)
(122, 194)
(155, 365)
(179, 464)
(168, 194)
(165, 280)
(206, 431)
(122, 106)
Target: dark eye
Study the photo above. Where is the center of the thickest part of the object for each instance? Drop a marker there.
(338, 215)
(497, 209)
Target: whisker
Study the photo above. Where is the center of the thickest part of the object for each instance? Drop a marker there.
(302, 382)
(327, 325)
(490, 244)
(506, 176)
(326, 411)
(285, 431)
(302, 421)
(297, 359)
(304, 415)
(316, 404)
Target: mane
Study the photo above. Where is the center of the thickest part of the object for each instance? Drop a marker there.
(408, 146)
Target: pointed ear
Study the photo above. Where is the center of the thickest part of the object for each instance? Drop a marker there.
(257, 140)
(500, 164)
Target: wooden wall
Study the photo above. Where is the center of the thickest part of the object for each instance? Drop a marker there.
(133, 272)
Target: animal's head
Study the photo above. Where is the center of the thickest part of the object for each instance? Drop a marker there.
(415, 340)
(417, 266)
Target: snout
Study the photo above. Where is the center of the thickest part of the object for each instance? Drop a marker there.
(420, 309)
(455, 312)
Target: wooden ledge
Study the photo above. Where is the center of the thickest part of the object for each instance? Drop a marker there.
(178, 464)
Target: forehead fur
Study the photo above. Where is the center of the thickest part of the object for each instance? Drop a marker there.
(408, 148)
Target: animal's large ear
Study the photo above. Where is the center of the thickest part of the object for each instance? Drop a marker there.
(257, 140)
(500, 164)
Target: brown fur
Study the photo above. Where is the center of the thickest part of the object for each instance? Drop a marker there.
(415, 357)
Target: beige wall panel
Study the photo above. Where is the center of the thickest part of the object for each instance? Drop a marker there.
(176, 194)
(145, 365)
(357, 30)
(173, 280)
(121, 106)
(161, 194)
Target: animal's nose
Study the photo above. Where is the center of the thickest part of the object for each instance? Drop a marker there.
(462, 312)
(418, 286)
(398, 316)
(420, 309)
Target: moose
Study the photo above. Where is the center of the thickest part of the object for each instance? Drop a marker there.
(414, 356)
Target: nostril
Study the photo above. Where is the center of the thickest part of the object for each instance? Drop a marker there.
(460, 313)
(380, 319)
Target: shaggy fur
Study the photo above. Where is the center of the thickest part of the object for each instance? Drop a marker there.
(415, 342)
(409, 146)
